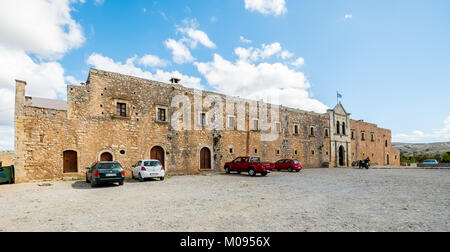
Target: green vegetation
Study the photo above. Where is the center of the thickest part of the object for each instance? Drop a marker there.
(419, 158)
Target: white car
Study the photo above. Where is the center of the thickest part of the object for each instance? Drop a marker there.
(146, 169)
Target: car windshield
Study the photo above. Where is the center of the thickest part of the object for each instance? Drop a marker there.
(109, 166)
(255, 160)
(296, 162)
(152, 163)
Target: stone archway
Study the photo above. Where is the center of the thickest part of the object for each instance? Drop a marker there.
(158, 153)
(341, 156)
(106, 157)
(70, 161)
(205, 159)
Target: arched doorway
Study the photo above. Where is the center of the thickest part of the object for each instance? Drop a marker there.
(70, 162)
(106, 157)
(341, 156)
(205, 159)
(157, 153)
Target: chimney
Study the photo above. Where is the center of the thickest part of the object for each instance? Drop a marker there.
(175, 81)
(20, 94)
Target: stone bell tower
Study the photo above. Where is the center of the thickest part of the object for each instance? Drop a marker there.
(340, 137)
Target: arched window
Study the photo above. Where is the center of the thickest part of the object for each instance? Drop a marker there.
(343, 129)
(106, 157)
(338, 128)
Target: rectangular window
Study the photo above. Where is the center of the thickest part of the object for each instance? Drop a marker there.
(255, 124)
(122, 109)
(162, 115)
(363, 136)
(231, 123)
(327, 133)
(202, 119)
(278, 127)
(296, 131)
(312, 131)
(372, 137)
(353, 135)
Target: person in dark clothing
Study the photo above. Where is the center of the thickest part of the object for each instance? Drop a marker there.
(367, 163)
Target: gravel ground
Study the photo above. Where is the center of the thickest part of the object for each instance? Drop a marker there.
(314, 200)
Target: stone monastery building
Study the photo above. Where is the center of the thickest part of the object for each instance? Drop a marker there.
(127, 119)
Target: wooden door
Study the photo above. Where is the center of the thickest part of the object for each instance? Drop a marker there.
(70, 162)
(205, 159)
(157, 153)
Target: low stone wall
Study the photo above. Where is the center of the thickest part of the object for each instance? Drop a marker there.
(443, 165)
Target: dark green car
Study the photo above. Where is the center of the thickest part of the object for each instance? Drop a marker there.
(105, 172)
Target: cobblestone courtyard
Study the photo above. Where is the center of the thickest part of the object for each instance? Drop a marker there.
(314, 200)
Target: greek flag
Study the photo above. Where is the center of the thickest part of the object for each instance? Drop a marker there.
(339, 95)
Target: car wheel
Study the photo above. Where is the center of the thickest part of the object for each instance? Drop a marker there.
(290, 169)
(264, 174)
(141, 179)
(93, 183)
(121, 183)
(297, 171)
(252, 172)
(227, 170)
(162, 178)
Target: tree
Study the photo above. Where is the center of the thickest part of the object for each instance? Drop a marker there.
(445, 158)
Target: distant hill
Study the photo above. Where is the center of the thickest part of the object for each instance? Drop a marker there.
(427, 148)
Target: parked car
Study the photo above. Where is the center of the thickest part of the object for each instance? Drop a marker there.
(145, 169)
(430, 162)
(105, 172)
(252, 165)
(288, 165)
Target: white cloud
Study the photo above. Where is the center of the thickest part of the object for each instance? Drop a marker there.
(191, 37)
(181, 54)
(194, 35)
(6, 137)
(267, 7)
(260, 81)
(348, 16)
(129, 68)
(286, 55)
(152, 61)
(34, 35)
(244, 40)
(298, 62)
(99, 2)
(442, 134)
(41, 27)
(263, 53)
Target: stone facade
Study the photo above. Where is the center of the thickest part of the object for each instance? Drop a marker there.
(6, 158)
(54, 139)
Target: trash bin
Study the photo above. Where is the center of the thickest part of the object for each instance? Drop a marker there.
(7, 175)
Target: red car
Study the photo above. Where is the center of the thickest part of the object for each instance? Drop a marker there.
(252, 165)
(288, 165)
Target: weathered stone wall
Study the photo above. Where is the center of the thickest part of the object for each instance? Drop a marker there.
(378, 148)
(6, 158)
(91, 126)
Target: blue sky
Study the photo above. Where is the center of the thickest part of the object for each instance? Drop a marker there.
(389, 59)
